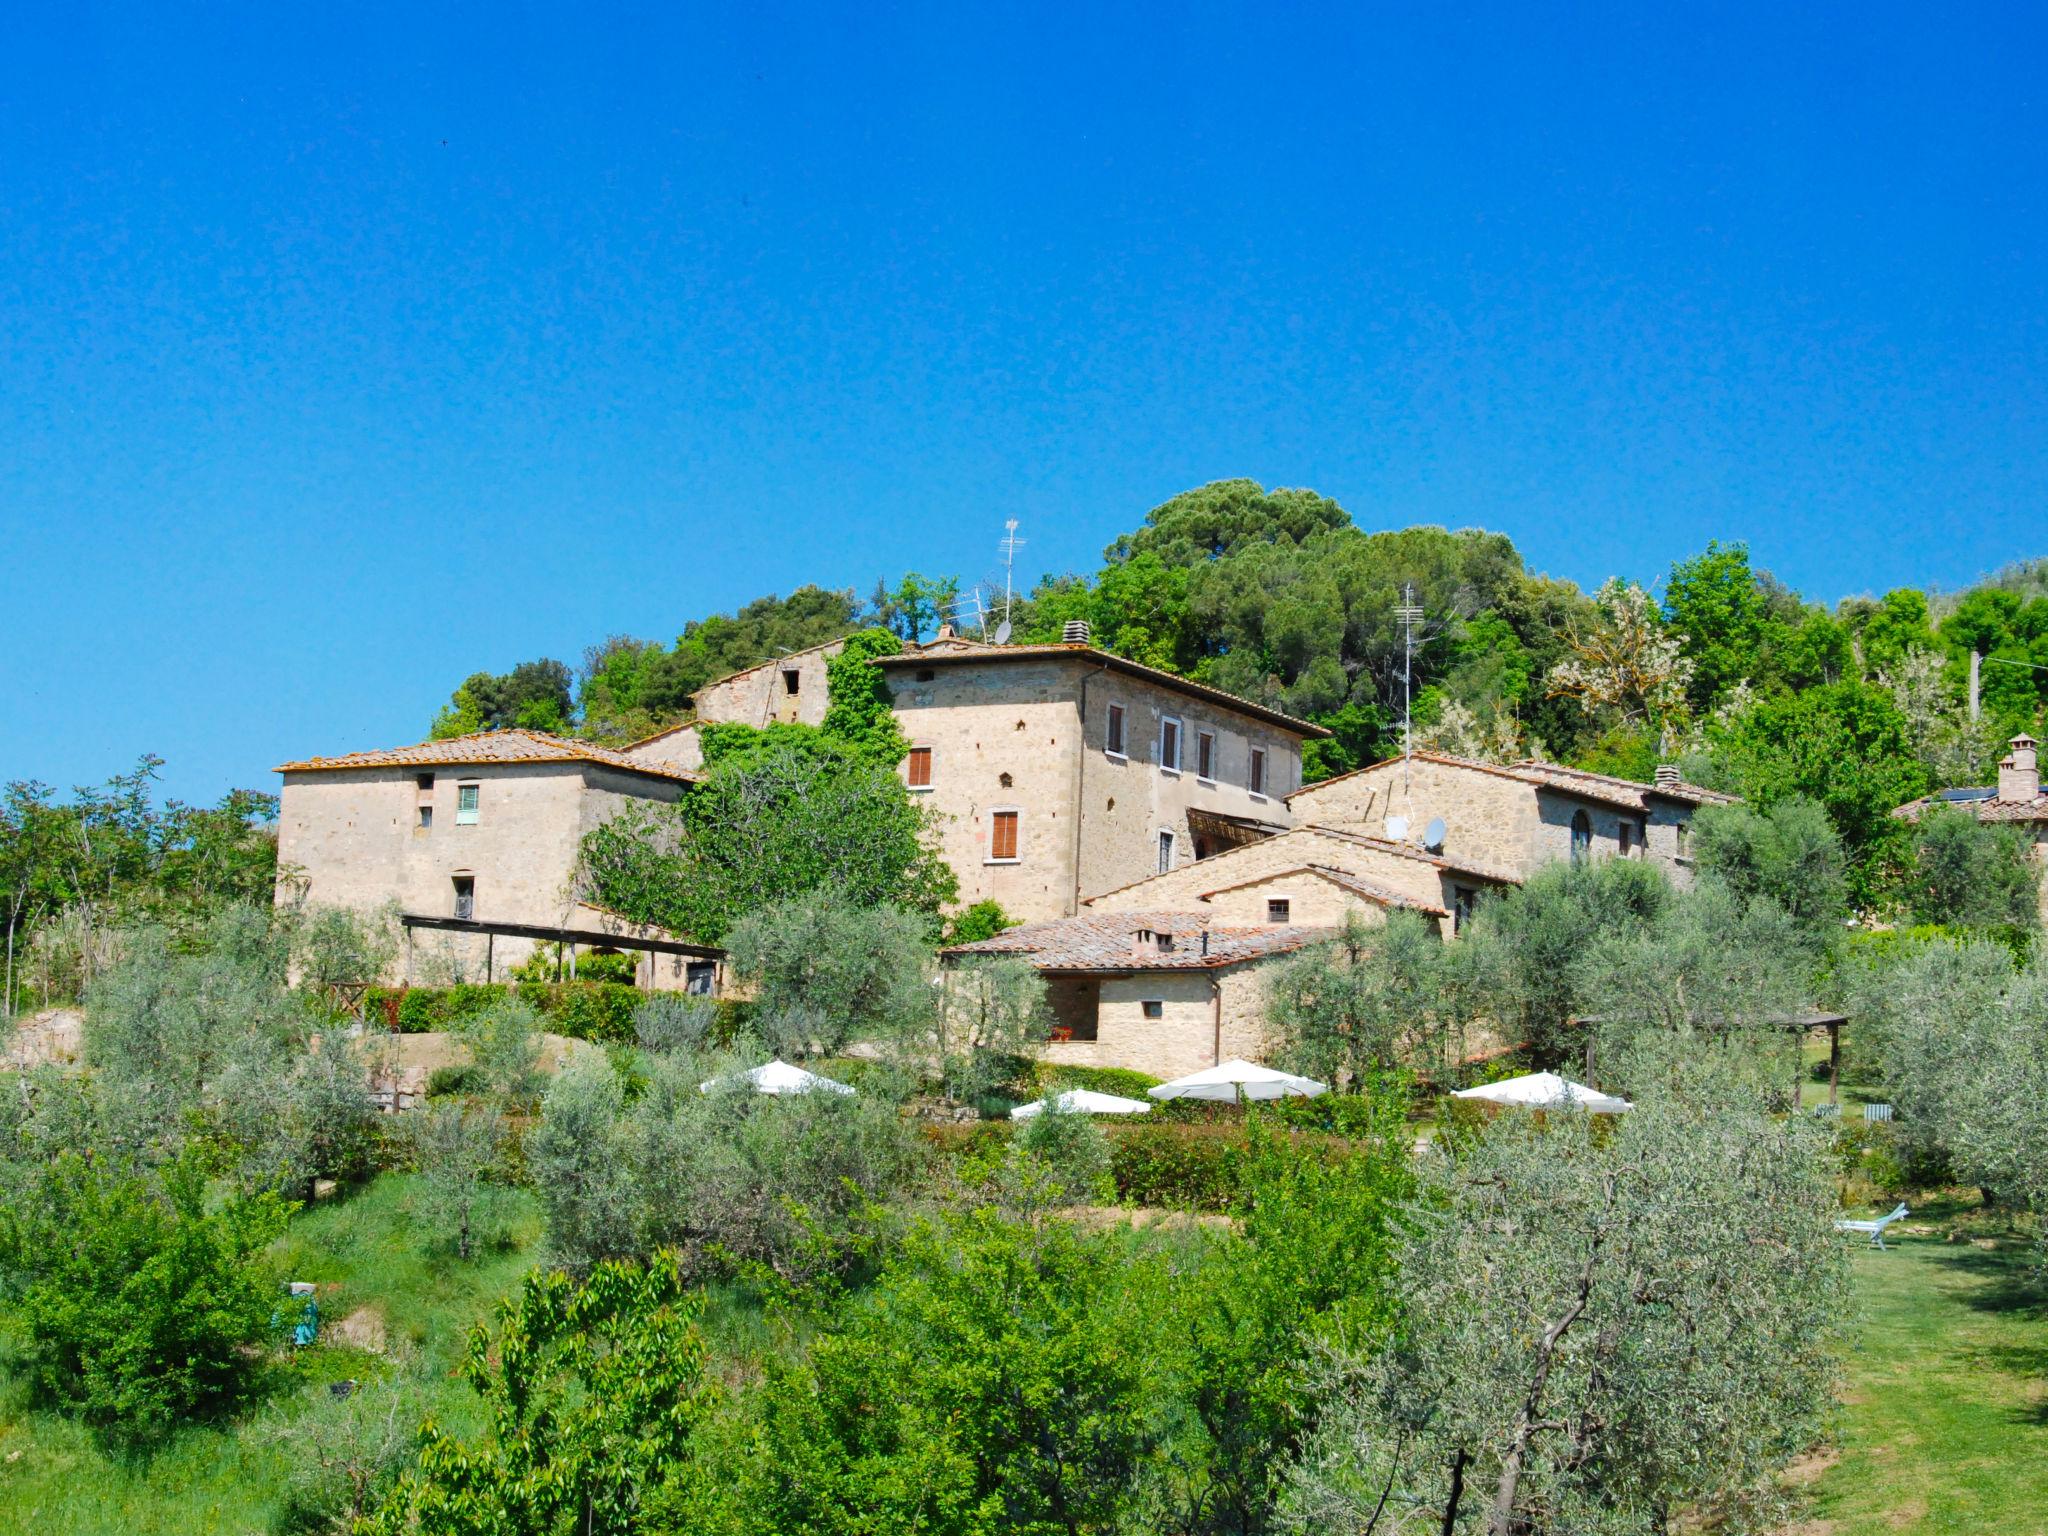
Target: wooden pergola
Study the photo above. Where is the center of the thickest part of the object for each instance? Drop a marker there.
(575, 938)
(1803, 1024)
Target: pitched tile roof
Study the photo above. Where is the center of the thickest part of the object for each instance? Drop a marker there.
(488, 747)
(943, 651)
(1604, 788)
(1983, 804)
(1358, 885)
(1104, 941)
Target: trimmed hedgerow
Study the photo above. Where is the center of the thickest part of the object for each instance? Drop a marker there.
(599, 1011)
(1057, 1078)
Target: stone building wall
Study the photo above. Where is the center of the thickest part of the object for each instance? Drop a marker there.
(354, 837)
(1303, 845)
(1129, 800)
(676, 748)
(1488, 817)
(763, 695)
(1004, 737)
(1313, 901)
(1200, 1012)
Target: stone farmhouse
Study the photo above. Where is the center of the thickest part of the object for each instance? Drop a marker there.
(474, 840)
(1057, 771)
(1517, 817)
(2016, 800)
(1169, 973)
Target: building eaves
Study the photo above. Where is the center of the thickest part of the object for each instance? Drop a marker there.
(1358, 885)
(958, 652)
(489, 749)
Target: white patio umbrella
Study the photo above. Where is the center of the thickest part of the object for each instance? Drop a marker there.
(1545, 1090)
(1083, 1101)
(779, 1077)
(1234, 1080)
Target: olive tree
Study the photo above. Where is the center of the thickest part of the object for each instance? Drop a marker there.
(1603, 1324)
(456, 1148)
(1965, 871)
(1788, 853)
(827, 973)
(989, 1011)
(1366, 1000)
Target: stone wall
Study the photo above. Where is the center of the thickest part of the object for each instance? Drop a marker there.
(1129, 800)
(354, 837)
(1194, 1006)
(1489, 818)
(761, 695)
(1002, 737)
(677, 748)
(1313, 901)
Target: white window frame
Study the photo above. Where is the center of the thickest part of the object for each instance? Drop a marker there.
(1205, 745)
(471, 790)
(1168, 846)
(1284, 901)
(1122, 717)
(988, 846)
(1258, 765)
(931, 760)
(1180, 738)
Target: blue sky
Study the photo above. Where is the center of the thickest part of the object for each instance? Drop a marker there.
(347, 350)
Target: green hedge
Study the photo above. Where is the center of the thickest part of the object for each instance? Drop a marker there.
(1188, 1166)
(1054, 1078)
(601, 1011)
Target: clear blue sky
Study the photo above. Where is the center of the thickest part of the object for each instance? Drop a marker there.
(345, 350)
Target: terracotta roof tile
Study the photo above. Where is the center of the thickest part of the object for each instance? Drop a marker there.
(486, 747)
(1602, 787)
(1988, 808)
(1104, 941)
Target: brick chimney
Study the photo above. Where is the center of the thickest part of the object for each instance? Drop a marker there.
(2019, 776)
(1667, 776)
(1076, 632)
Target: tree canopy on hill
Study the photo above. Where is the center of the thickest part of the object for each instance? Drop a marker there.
(1278, 595)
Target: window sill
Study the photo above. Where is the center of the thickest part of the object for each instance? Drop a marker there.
(1171, 773)
(919, 789)
(1002, 861)
(1116, 757)
(1256, 795)
(1205, 781)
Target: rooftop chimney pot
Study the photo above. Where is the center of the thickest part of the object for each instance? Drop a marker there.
(1076, 632)
(1667, 776)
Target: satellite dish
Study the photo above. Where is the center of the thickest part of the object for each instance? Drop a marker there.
(1003, 633)
(1433, 835)
(1397, 827)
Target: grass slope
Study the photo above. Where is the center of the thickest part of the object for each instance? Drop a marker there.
(1945, 1426)
(371, 1261)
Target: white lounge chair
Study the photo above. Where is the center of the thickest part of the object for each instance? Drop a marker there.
(1874, 1228)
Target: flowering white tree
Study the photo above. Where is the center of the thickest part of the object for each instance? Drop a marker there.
(1627, 660)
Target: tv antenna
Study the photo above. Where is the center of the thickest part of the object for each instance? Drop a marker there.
(1008, 547)
(1409, 614)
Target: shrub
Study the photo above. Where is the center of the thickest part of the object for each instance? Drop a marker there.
(1061, 1157)
(456, 1082)
(1178, 1165)
(1123, 1081)
(671, 1021)
(599, 1011)
(137, 1305)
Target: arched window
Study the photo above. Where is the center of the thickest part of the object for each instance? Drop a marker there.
(1582, 837)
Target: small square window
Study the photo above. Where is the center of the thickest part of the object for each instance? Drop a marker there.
(1256, 778)
(1277, 910)
(1155, 1008)
(920, 774)
(1205, 756)
(1113, 733)
(467, 799)
(426, 818)
(792, 680)
(926, 675)
(425, 781)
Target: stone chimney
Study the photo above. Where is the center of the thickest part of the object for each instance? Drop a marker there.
(1076, 632)
(947, 631)
(2019, 776)
(1667, 776)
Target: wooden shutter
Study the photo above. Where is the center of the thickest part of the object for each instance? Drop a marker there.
(1002, 838)
(920, 767)
(1114, 739)
(1258, 774)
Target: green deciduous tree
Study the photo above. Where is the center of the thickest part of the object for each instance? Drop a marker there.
(1789, 853)
(139, 1303)
(535, 695)
(590, 1392)
(456, 1148)
(859, 716)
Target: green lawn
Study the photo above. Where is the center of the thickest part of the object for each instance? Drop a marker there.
(1945, 1427)
(370, 1262)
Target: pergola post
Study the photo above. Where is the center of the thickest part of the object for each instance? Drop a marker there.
(1835, 1062)
(490, 958)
